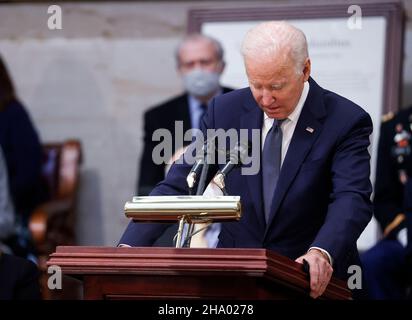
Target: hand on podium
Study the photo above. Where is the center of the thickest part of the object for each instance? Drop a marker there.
(320, 270)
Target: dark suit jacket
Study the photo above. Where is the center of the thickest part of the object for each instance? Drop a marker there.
(18, 279)
(323, 193)
(161, 116)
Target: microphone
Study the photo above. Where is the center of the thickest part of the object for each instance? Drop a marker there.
(236, 157)
(194, 172)
(191, 178)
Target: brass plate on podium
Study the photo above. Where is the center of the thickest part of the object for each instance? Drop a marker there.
(196, 209)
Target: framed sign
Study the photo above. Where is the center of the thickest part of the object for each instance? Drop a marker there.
(355, 50)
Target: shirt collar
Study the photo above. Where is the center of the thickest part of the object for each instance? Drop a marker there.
(193, 102)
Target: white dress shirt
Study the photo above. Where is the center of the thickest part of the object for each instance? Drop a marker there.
(195, 109)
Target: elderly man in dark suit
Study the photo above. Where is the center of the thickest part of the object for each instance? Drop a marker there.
(310, 199)
(200, 63)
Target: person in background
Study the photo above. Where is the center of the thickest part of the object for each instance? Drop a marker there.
(7, 227)
(387, 266)
(199, 61)
(19, 278)
(310, 200)
(23, 155)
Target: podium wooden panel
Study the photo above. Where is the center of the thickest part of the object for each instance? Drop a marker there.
(171, 273)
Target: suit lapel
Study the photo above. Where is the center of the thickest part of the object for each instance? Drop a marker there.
(183, 112)
(252, 119)
(306, 132)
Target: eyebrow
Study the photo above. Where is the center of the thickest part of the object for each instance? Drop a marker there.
(280, 83)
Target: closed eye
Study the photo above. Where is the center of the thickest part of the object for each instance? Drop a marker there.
(277, 86)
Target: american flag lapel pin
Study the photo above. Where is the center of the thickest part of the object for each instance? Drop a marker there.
(309, 129)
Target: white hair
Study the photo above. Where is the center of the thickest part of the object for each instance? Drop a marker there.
(270, 39)
(194, 37)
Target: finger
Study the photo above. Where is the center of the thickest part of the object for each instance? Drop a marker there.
(299, 260)
(314, 279)
(322, 277)
(322, 286)
(325, 276)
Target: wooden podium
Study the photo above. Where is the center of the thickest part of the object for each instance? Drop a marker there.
(171, 273)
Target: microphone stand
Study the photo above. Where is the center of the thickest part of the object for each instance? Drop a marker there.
(205, 169)
(199, 191)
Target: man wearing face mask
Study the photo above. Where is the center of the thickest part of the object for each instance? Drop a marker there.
(199, 60)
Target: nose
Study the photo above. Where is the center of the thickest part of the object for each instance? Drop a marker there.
(267, 98)
(198, 65)
(202, 64)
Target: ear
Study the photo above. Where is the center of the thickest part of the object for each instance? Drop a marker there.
(306, 69)
(179, 68)
(178, 65)
(222, 66)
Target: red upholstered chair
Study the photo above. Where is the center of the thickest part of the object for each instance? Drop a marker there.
(53, 222)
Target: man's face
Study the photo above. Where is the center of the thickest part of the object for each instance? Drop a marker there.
(199, 54)
(275, 84)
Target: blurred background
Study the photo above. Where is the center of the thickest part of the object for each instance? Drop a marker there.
(93, 80)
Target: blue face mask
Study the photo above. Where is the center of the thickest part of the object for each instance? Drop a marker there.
(200, 83)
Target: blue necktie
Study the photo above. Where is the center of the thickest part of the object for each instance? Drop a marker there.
(203, 108)
(271, 160)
